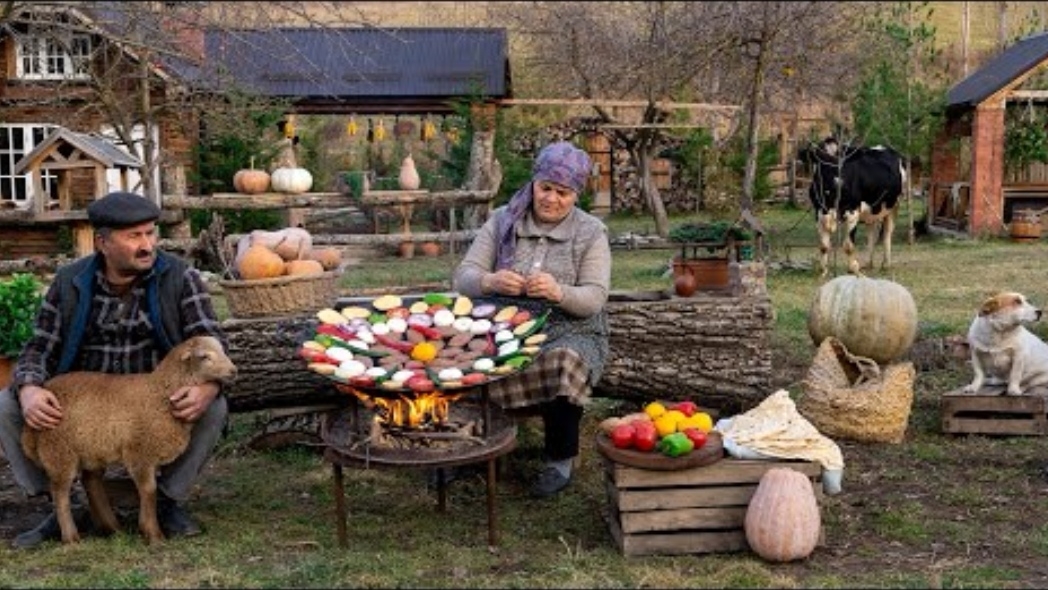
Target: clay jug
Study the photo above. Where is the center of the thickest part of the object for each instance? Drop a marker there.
(684, 281)
(409, 179)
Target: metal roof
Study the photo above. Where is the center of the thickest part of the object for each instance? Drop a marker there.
(94, 146)
(999, 72)
(352, 64)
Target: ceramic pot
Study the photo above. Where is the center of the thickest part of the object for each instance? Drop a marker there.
(684, 282)
(407, 249)
(430, 248)
(409, 178)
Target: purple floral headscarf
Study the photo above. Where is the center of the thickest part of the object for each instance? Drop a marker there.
(560, 163)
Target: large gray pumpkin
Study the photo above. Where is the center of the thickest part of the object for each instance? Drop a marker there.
(873, 318)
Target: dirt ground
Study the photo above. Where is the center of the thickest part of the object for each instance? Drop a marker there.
(962, 511)
(16, 512)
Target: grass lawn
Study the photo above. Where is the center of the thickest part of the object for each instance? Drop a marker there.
(934, 511)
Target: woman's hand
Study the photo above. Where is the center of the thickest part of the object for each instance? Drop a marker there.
(40, 407)
(542, 285)
(504, 282)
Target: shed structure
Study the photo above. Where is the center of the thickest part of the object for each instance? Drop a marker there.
(77, 164)
(971, 191)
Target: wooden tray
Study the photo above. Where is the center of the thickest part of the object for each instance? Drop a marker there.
(711, 452)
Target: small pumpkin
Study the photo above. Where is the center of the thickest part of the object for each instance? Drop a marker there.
(303, 267)
(251, 181)
(329, 258)
(782, 521)
(873, 318)
(291, 180)
(259, 262)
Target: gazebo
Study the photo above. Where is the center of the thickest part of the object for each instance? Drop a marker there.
(970, 190)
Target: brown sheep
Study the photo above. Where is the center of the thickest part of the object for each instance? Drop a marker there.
(125, 419)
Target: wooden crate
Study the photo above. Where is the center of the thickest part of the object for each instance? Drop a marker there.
(697, 510)
(994, 414)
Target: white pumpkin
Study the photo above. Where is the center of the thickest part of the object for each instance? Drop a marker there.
(291, 180)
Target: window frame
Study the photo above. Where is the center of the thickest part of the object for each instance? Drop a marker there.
(46, 57)
(18, 189)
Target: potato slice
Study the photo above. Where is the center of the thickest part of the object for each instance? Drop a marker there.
(523, 328)
(463, 305)
(387, 302)
(535, 339)
(505, 314)
(331, 316)
(419, 307)
(323, 368)
(353, 313)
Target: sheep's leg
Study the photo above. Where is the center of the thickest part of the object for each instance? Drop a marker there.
(98, 501)
(61, 490)
(145, 481)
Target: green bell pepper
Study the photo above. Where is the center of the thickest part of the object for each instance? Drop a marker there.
(675, 445)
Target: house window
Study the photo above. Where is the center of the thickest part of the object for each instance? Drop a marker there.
(15, 142)
(49, 58)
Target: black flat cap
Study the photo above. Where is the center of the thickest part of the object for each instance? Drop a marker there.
(120, 209)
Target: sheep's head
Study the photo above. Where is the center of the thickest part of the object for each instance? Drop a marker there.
(207, 361)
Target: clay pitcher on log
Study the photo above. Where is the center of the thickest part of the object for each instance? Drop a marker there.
(684, 281)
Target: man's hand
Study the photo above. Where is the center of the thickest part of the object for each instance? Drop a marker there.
(504, 282)
(189, 403)
(40, 407)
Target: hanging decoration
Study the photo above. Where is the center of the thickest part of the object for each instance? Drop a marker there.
(289, 127)
(380, 131)
(451, 131)
(429, 130)
(351, 127)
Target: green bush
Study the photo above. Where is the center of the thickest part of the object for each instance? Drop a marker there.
(20, 299)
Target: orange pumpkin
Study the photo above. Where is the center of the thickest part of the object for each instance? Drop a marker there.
(259, 262)
(303, 267)
(251, 181)
(329, 258)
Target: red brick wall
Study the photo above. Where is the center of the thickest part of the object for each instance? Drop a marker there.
(987, 214)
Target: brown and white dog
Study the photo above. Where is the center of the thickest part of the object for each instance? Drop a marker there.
(1003, 350)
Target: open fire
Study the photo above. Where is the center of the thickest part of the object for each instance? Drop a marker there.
(425, 411)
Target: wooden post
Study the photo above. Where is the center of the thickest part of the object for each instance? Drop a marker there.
(83, 239)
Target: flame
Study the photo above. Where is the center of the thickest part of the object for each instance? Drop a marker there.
(425, 408)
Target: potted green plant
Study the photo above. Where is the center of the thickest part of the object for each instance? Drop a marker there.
(20, 298)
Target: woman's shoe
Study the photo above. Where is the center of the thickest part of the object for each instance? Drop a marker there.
(549, 483)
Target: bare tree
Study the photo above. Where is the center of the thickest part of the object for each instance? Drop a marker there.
(148, 65)
(652, 52)
(660, 52)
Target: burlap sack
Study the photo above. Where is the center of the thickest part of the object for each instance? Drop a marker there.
(852, 397)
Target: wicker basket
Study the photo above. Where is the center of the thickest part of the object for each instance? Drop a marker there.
(281, 295)
(852, 397)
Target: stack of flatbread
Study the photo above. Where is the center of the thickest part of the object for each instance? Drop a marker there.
(775, 429)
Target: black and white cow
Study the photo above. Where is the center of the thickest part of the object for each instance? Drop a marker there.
(852, 184)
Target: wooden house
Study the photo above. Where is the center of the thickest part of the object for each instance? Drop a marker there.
(52, 54)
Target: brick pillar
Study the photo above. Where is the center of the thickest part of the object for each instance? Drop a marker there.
(987, 203)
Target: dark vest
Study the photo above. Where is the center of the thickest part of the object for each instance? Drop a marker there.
(76, 286)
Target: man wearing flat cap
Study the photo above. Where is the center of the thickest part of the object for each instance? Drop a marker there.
(119, 310)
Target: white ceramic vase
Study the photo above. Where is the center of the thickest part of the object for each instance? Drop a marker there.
(409, 179)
